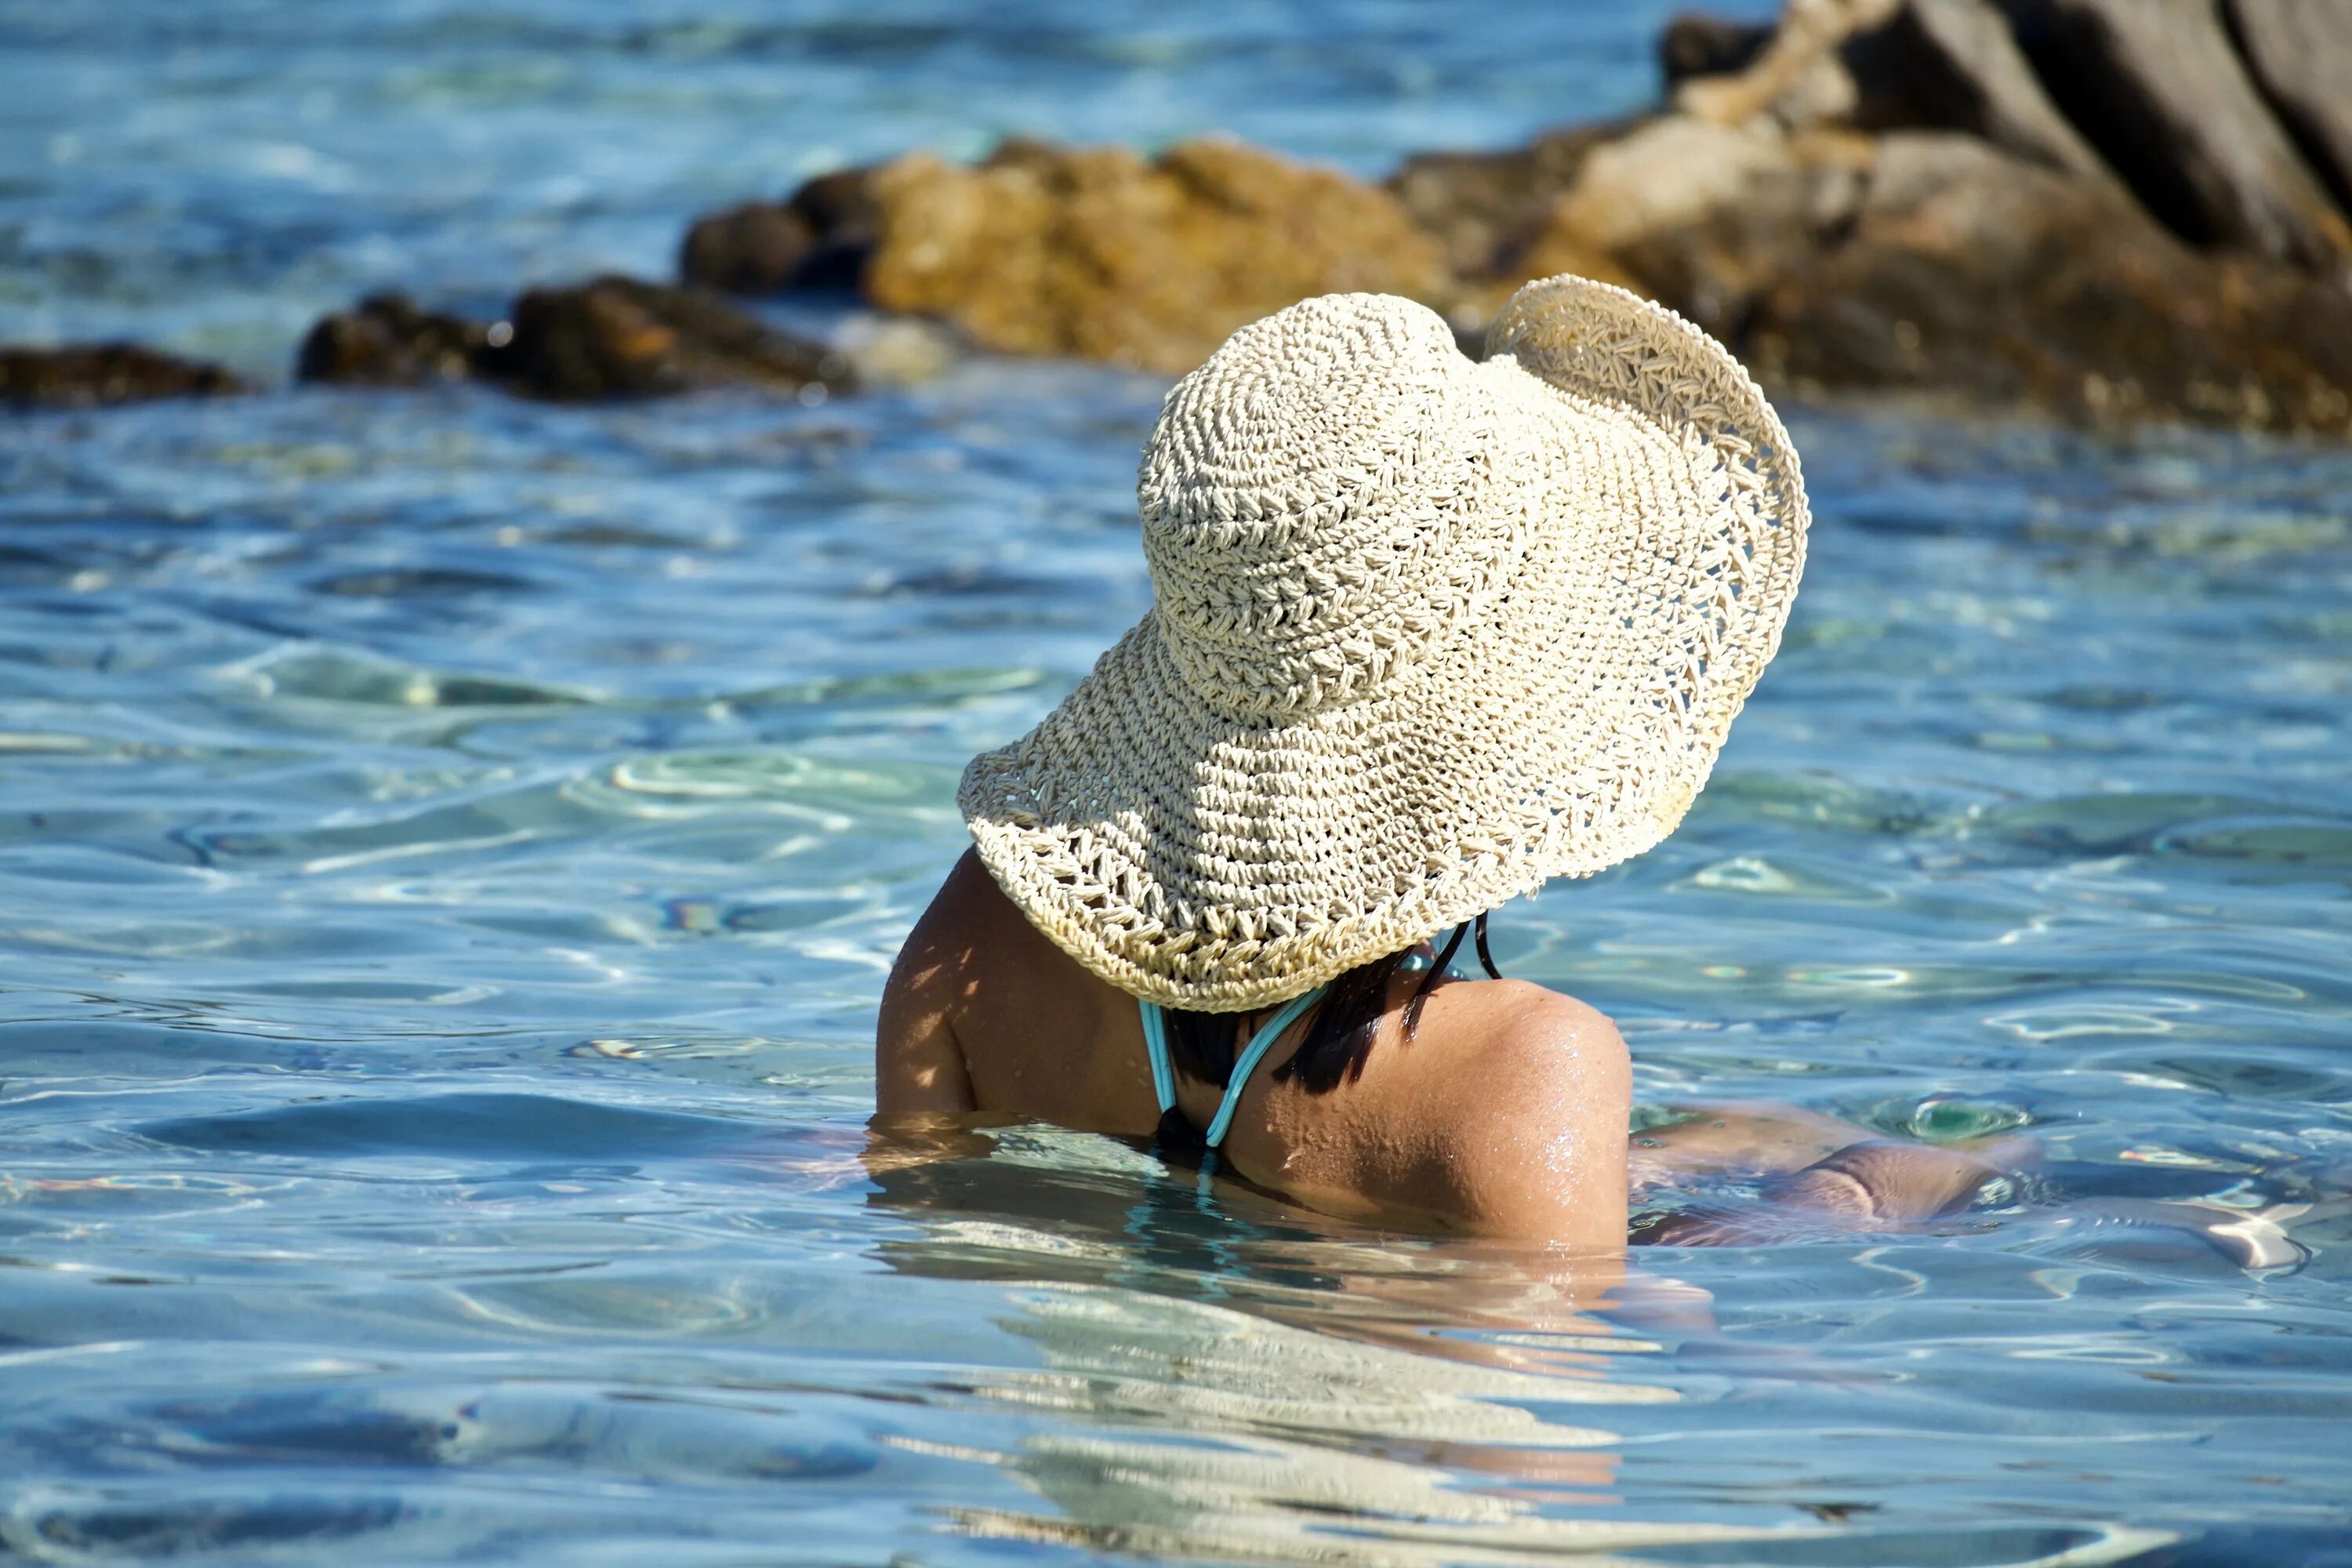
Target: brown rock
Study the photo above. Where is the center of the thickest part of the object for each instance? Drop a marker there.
(611, 337)
(1973, 276)
(622, 337)
(1952, 65)
(2157, 87)
(816, 239)
(754, 249)
(1694, 44)
(1096, 253)
(386, 341)
(2301, 55)
(91, 375)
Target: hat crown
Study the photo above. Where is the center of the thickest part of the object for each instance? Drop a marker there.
(1321, 504)
(1588, 540)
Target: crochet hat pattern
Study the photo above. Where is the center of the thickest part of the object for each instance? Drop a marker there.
(1426, 632)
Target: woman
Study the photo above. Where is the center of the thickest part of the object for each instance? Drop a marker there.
(1426, 633)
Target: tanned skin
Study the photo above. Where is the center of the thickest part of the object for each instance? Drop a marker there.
(1504, 1116)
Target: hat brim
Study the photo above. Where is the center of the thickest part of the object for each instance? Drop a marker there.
(1204, 861)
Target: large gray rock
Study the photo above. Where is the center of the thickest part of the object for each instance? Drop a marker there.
(2301, 52)
(1972, 277)
(2157, 88)
(1797, 81)
(1953, 65)
(1695, 44)
(1702, 214)
(1714, 265)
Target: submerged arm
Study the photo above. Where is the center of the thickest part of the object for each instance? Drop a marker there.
(1874, 1185)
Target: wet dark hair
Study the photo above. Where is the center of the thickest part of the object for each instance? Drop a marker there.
(1339, 1037)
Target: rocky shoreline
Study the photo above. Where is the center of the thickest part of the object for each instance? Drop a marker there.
(2103, 211)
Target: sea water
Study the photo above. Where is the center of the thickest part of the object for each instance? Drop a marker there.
(450, 849)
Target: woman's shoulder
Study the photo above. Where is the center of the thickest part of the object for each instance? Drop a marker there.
(970, 917)
(1517, 1028)
(1529, 1097)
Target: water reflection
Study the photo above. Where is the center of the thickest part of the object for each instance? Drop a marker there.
(1233, 1377)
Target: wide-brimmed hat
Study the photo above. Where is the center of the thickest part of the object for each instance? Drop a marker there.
(1426, 632)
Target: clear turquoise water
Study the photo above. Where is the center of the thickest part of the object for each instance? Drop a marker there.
(449, 851)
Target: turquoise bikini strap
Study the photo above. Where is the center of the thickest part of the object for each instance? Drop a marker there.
(1155, 1044)
(1163, 1072)
(1251, 1054)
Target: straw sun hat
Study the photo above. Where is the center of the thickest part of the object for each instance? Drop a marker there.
(1426, 632)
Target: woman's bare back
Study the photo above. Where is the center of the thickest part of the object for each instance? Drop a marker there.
(1505, 1113)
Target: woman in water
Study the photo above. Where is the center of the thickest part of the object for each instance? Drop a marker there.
(1426, 633)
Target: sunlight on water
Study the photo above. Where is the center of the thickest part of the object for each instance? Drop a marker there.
(450, 850)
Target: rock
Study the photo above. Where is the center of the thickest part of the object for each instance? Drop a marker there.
(2300, 52)
(755, 248)
(816, 239)
(1799, 79)
(91, 375)
(1696, 44)
(1973, 275)
(612, 337)
(1700, 215)
(1096, 253)
(1713, 268)
(1485, 207)
(2157, 87)
(619, 336)
(1670, 173)
(1952, 65)
(386, 341)
(1883, 194)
